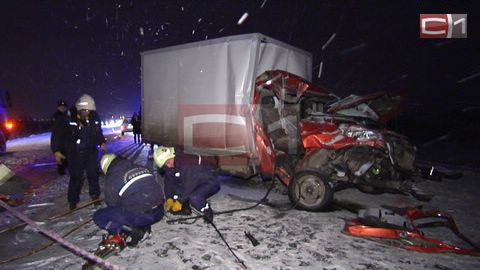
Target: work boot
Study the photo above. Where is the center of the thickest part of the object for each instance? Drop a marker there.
(73, 206)
(135, 235)
(96, 198)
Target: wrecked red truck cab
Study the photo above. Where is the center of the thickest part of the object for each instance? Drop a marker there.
(317, 143)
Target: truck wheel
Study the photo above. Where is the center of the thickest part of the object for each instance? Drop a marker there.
(310, 191)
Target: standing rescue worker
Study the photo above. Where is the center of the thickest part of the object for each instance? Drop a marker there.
(136, 128)
(134, 201)
(60, 121)
(189, 180)
(83, 137)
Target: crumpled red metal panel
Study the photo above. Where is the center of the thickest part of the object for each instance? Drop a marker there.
(328, 135)
(412, 239)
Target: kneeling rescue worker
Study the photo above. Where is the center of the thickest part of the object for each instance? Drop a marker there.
(134, 201)
(189, 180)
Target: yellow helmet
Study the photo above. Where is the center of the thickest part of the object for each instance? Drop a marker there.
(105, 162)
(162, 154)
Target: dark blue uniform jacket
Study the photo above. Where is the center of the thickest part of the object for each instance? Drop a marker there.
(60, 129)
(190, 171)
(79, 135)
(131, 187)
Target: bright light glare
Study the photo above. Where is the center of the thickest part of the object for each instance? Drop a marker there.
(112, 123)
(9, 125)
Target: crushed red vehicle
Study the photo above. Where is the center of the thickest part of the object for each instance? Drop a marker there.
(246, 101)
(322, 144)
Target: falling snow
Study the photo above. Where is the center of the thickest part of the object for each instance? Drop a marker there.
(263, 4)
(243, 18)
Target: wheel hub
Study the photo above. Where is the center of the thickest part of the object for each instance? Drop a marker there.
(311, 189)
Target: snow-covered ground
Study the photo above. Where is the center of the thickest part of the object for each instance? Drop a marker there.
(289, 239)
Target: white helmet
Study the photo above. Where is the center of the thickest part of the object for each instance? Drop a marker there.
(162, 154)
(85, 102)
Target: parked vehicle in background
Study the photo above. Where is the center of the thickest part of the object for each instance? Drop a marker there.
(6, 125)
(126, 126)
(248, 102)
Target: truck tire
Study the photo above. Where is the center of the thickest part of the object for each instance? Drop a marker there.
(310, 191)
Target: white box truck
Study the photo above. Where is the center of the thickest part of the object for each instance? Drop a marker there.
(200, 95)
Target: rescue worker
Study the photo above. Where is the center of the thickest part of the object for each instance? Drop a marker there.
(83, 137)
(134, 201)
(60, 121)
(189, 180)
(137, 128)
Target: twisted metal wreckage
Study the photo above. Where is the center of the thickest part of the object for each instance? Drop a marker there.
(402, 227)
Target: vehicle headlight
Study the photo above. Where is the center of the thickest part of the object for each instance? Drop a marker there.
(361, 133)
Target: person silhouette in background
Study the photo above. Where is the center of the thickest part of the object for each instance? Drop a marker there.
(137, 128)
(60, 120)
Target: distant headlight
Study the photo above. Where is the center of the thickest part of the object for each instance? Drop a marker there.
(361, 133)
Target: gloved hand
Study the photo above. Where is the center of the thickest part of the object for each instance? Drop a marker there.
(103, 146)
(59, 157)
(173, 205)
(168, 204)
(177, 206)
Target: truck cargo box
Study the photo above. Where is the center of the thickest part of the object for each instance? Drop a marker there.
(200, 94)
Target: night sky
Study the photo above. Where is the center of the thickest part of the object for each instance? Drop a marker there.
(53, 50)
